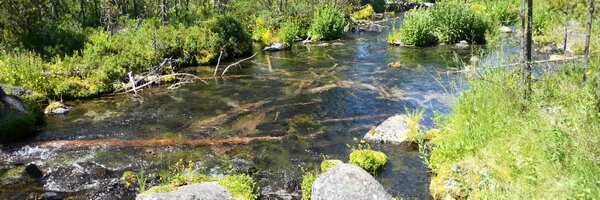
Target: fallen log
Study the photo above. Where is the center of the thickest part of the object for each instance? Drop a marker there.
(113, 143)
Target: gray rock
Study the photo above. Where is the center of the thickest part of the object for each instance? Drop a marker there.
(348, 182)
(463, 44)
(202, 191)
(393, 130)
(274, 47)
(323, 44)
(506, 29)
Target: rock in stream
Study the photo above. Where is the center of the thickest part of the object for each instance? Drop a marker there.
(348, 182)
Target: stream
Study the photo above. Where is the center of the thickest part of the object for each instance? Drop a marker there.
(346, 87)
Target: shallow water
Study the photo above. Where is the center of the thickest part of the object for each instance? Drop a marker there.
(367, 92)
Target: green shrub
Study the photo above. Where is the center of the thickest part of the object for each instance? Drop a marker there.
(328, 23)
(363, 14)
(288, 33)
(308, 178)
(262, 31)
(241, 186)
(367, 159)
(455, 22)
(232, 36)
(416, 30)
(328, 164)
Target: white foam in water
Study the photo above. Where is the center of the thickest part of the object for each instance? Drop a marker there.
(28, 152)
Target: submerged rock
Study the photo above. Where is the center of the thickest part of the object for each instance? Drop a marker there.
(241, 166)
(393, 129)
(347, 182)
(51, 196)
(395, 65)
(202, 191)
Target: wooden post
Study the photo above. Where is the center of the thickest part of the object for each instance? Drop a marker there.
(588, 34)
(526, 42)
(566, 33)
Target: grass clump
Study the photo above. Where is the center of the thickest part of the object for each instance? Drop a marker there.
(328, 164)
(363, 14)
(455, 22)
(492, 148)
(417, 29)
(328, 23)
(369, 160)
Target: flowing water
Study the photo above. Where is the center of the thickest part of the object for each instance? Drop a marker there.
(347, 89)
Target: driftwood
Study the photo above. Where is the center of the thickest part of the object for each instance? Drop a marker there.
(237, 63)
(113, 143)
(158, 73)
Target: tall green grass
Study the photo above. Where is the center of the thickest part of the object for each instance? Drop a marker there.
(495, 145)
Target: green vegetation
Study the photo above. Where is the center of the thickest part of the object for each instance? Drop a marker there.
(378, 5)
(302, 123)
(454, 22)
(308, 178)
(328, 24)
(363, 14)
(85, 49)
(369, 160)
(417, 29)
(495, 145)
(241, 186)
(130, 178)
(328, 164)
(447, 22)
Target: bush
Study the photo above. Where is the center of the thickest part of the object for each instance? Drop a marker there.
(367, 159)
(416, 30)
(232, 36)
(455, 22)
(328, 23)
(288, 33)
(363, 14)
(241, 186)
(262, 31)
(328, 164)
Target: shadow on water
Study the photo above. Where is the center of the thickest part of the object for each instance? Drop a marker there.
(364, 92)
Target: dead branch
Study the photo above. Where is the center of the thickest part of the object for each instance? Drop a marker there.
(237, 63)
(218, 62)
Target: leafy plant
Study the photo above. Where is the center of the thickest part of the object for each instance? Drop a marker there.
(328, 23)
(308, 178)
(455, 22)
(288, 33)
(363, 14)
(417, 29)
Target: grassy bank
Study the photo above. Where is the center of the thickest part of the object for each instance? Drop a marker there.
(491, 147)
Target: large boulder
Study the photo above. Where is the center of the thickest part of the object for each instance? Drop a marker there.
(201, 191)
(392, 130)
(348, 182)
